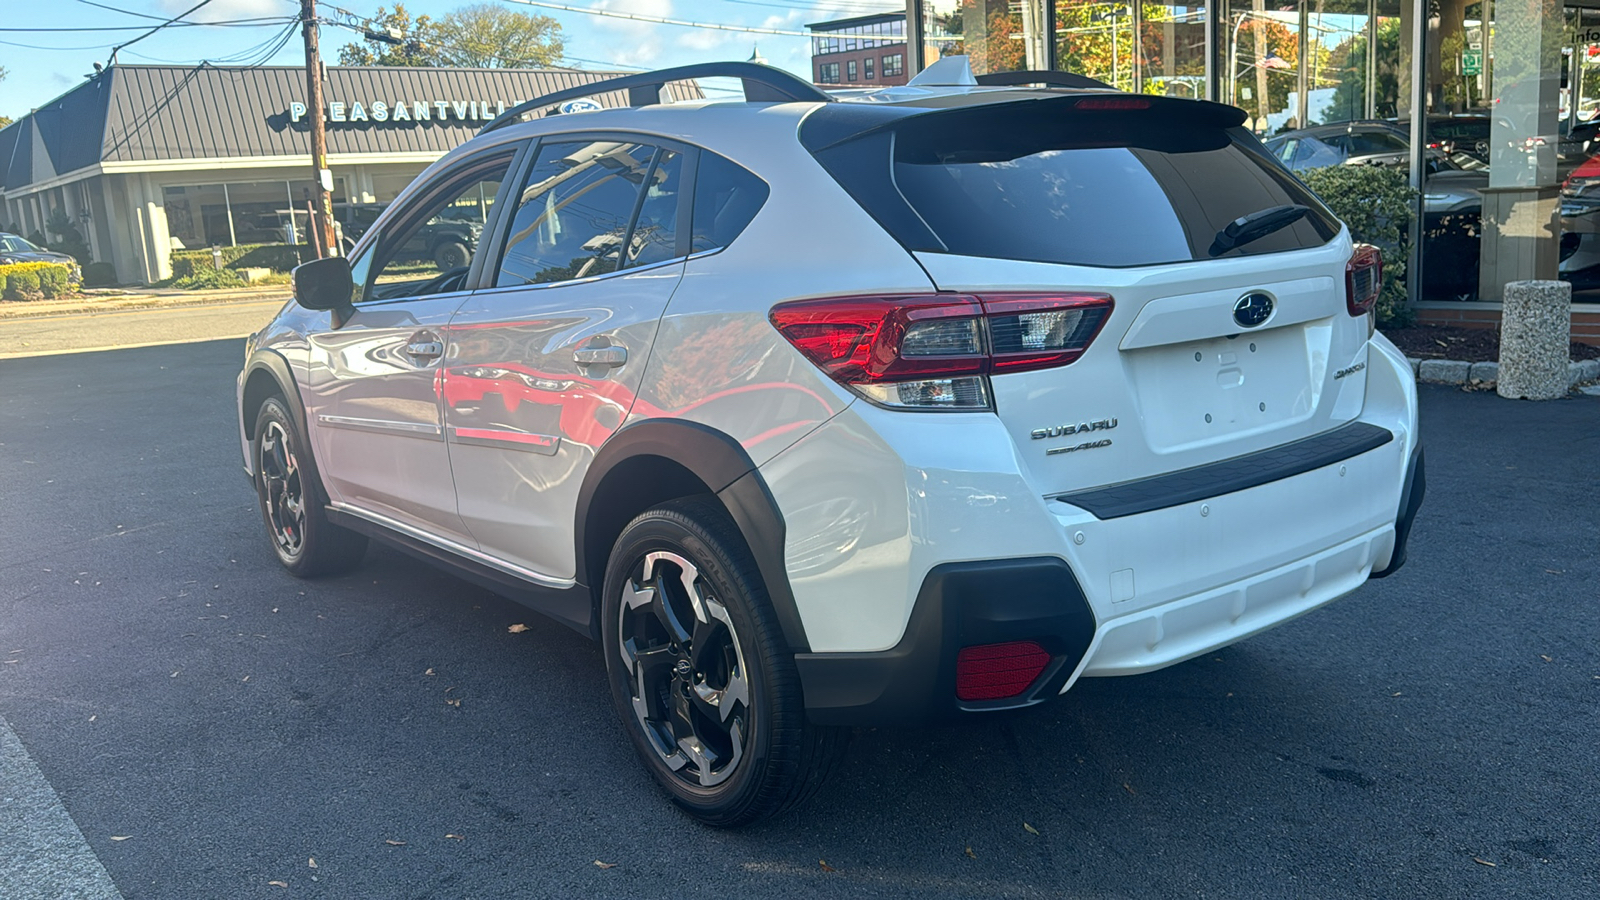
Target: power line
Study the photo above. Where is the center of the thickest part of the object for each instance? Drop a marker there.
(126, 12)
(232, 23)
(656, 20)
(141, 37)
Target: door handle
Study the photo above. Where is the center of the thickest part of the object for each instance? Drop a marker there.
(428, 350)
(601, 356)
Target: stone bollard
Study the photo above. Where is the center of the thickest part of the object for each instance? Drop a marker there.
(1535, 333)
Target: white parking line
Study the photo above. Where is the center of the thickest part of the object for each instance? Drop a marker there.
(42, 853)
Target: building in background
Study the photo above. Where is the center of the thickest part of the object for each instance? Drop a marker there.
(862, 51)
(1489, 108)
(148, 160)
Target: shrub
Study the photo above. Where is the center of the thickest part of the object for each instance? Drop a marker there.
(33, 281)
(1377, 204)
(277, 257)
(53, 281)
(208, 278)
(99, 274)
(22, 286)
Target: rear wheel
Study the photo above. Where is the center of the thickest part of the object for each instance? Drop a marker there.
(700, 673)
(451, 255)
(302, 537)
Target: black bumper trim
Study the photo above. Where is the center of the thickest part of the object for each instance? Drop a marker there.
(1230, 475)
(959, 605)
(1416, 485)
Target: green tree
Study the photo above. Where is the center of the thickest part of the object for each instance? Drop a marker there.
(416, 47)
(486, 36)
(481, 35)
(1349, 61)
(4, 120)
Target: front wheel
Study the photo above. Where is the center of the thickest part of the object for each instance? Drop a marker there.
(700, 673)
(302, 537)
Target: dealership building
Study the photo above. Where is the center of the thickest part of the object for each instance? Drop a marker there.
(149, 160)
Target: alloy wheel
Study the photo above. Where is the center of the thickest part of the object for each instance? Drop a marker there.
(690, 686)
(282, 491)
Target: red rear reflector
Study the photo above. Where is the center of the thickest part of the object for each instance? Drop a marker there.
(1113, 103)
(997, 671)
(1363, 279)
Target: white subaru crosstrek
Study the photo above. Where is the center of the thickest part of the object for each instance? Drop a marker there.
(918, 404)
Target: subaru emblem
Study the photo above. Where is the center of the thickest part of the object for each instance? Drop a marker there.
(1252, 309)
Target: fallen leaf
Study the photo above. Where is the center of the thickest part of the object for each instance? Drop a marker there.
(1555, 571)
(429, 671)
(1481, 861)
(312, 862)
(394, 843)
(825, 866)
(456, 837)
(244, 679)
(282, 884)
(517, 628)
(456, 703)
(120, 837)
(970, 854)
(93, 717)
(1129, 788)
(1030, 829)
(1545, 658)
(605, 865)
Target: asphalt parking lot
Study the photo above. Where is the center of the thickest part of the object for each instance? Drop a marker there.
(212, 726)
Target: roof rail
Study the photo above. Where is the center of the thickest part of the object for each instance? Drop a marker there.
(762, 84)
(1054, 79)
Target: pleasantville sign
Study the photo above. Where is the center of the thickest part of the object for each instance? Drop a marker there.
(409, 111)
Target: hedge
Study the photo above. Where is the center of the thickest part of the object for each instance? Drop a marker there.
(1376, 203)
(277, 257)
(34, 281)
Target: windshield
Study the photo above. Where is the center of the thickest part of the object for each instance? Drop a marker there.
(16, 245)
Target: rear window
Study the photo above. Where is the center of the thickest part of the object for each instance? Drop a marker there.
(1100, 188)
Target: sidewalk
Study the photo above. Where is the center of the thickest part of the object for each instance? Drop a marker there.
(97, 300)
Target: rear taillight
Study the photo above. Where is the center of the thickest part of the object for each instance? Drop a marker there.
(1363, 278)
(997, 671)
(936, 351)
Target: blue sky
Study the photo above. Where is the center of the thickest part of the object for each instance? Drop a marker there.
(43, 65)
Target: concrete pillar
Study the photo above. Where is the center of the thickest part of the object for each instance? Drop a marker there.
(1535, 331)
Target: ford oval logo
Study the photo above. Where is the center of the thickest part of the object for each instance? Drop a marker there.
(578, 106)
(1253, 309)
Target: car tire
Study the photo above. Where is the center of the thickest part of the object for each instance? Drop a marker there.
(700, 672)
(291, 502)
(449, 255)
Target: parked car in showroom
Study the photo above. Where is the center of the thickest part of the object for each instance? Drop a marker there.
(17, 249)
(1452, 202)
(819, 413)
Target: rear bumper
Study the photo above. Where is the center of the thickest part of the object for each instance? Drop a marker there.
(1410, 501)
(960, 605)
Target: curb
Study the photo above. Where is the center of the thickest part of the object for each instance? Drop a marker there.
(136, 300)
(1461, 372)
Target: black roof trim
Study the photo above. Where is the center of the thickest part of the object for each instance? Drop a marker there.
(762, 84)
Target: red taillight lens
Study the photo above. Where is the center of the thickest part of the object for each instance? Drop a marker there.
(943, 343)
(1363, 278)
(997, 671)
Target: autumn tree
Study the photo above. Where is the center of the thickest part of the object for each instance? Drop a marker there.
(478, 36)
(4, 120)
(486, 36)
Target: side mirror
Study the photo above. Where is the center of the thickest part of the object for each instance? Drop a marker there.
(323, 284)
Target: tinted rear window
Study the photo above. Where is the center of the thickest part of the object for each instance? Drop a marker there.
(1100, 188)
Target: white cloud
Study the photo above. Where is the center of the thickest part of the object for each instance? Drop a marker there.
(220, 10)
(637, 43)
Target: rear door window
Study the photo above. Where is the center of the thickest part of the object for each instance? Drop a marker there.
(573, 212)
(1112, 188)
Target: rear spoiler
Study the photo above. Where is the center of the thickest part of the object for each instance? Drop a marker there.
(838, 123)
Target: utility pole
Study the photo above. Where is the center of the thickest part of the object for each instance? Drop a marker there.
(322, 194)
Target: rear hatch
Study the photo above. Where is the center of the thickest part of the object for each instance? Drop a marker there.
(1211, 350)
